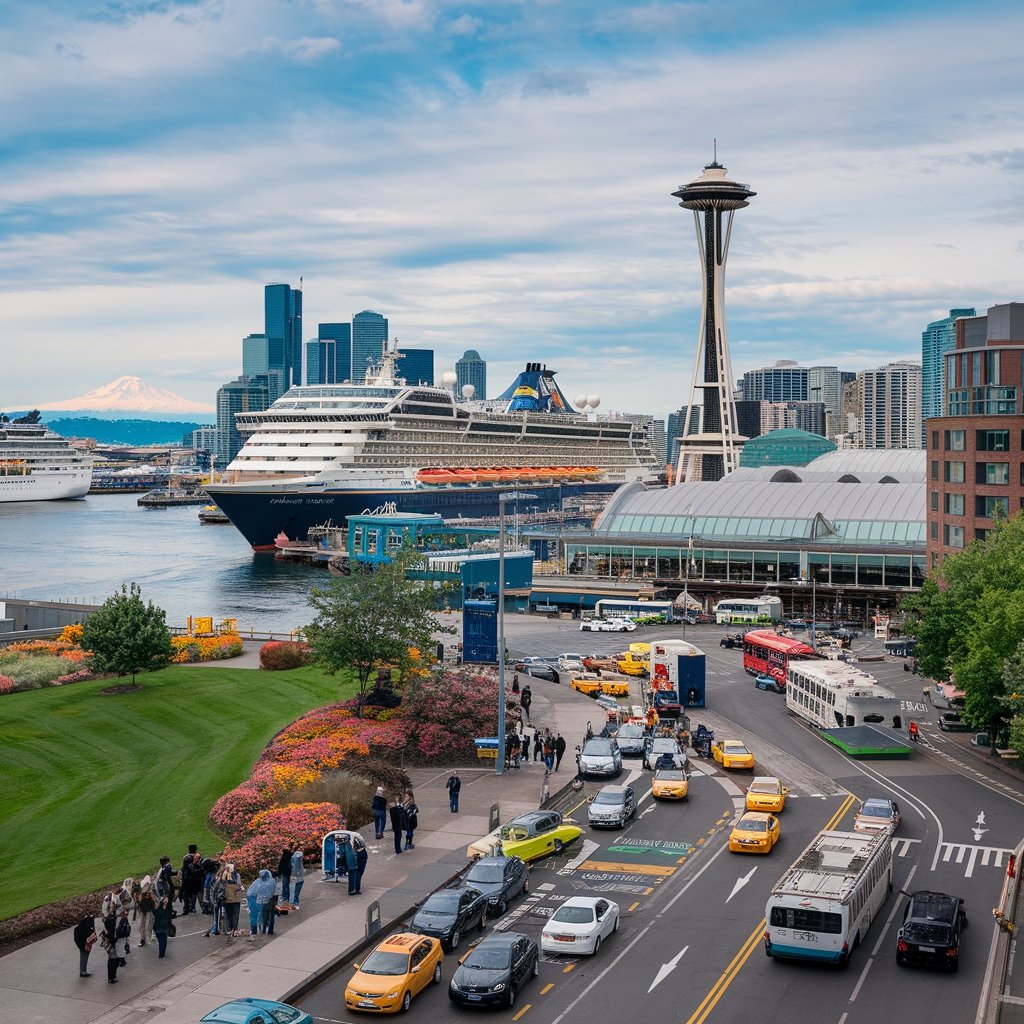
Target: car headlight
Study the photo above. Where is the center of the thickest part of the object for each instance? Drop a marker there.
(500, 987)
(392, 995)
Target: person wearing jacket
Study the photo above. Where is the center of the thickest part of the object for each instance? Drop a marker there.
(234, 893)
(125, 901)
(454, 787)
(347, 856)
(192, 876)
(108, 940)
(165, 880)
(265, 890)
(146, 904)
(298, 873)
(85, 938)
(260, 890)
(362, 856)
(397, 814)
(284, 872)
(379, 806)
(411, 819)
(162, 925)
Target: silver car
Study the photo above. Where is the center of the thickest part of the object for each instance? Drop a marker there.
(612, 807)
(601, 756)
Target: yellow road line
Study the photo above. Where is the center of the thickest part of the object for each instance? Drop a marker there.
(567, 968)
(547, 988)
(658, 870)
(522, 1011)
(725, 979)
(633, 907)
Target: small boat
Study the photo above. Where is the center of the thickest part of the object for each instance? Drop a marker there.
(437, 477)
(168, 497)
(212, 514)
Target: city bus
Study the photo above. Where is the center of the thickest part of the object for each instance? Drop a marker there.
(609, 608)
(822, 907)
(832, 695)
(748, 609)
(767, 653)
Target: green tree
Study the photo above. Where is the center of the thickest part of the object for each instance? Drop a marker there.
(126, 636)
(373, 616)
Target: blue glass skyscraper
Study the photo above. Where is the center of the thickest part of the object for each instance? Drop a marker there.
(340, 361)
(937, 338)
(416, 365)
(369, 332)
(471, 369)
(282, 314)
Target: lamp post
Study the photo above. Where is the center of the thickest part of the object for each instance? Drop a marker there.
(686, 575)
(502, 498)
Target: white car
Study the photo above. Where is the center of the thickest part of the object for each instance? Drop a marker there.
(608, 625)
(579, 925)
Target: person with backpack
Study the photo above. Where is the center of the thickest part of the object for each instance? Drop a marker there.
(125, 905)
(85, 938)
(146, 905)
(210, 867)
(165, 881)
(234, 893)
(411, 819)
(298, 873)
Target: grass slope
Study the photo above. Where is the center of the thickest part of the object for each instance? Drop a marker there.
(97, 787)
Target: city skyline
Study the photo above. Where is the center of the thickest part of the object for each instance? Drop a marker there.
(484, 189)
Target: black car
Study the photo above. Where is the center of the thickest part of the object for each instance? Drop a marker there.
(493, 972)
(731, 640)
(449, 913)
(950, 721)
(931, 930)
(500, 879)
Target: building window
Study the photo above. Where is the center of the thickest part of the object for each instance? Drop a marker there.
(953, 536)
(955, 504)
(934, 498)
(994, 473)
(988, 506)
(935, 439)
(980, 534)
(954, 472)
(993, 441)
(956, 440)
(935, 527)
(935, 470)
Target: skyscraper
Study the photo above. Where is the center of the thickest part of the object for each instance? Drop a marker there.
(369, 332)
(282, 317)
(322, 361)
(416, 365)
(256, 362)
(471, 369)
(243, 394)
(674, 431)
(825, 384)
(714, 452)
(341, 335)
(938, 338)
(891, 406)
(783, 382)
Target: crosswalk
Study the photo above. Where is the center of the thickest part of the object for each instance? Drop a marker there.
(968, 855)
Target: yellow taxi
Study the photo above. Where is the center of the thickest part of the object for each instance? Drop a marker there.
(766, 793)
(755, 832)
(399, 968)
(732, 754)
(670, 784)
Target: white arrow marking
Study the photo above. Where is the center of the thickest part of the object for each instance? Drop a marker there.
(978, 833)
(980, 820)
(666, 969)
(740, 882)
(647, 810)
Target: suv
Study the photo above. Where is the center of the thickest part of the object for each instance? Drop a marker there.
(931, 930)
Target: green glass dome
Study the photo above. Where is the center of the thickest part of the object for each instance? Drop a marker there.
(784, 448)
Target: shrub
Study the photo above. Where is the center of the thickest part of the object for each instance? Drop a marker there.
(6, 684)
(381, 773)
(347, 791)
(71, 634)
(232, 813)
(281, 655)
(30, 672)
(304, 824)
(188, 649)
(79, 676)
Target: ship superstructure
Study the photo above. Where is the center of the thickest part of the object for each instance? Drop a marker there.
(39, 465)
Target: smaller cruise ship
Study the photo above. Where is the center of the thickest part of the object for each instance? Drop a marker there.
(39, 465)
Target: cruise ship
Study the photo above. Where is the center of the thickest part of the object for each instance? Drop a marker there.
(39, 465)
(323, 452)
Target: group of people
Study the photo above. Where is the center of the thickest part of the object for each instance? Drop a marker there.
(546, 747)
(403, 815)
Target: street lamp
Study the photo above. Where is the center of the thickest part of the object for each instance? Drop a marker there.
(686, 576)
(502, 498)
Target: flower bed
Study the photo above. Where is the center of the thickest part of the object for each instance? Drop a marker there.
(281, 655)
(32, 664)
(190, 649)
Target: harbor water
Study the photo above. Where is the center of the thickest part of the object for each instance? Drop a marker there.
(84, 550)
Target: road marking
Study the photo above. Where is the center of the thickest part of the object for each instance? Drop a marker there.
(725, 979)
(666, 969)
(547, 988)
(633, 907)
(628, 869)
(740, 882)
(567, 968)
(901, 845)
(522, 1011)
(991, 856)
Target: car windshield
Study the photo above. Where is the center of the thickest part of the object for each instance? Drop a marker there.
(383, 962)
(601, 748)
(442, 903)
(488, 959)
(515, 833)
(574, 915)
(604, 797)
(630, 732)
(669, 775)
(877, 809)
(753, 825)
(928, 933)
(764, 787)
(665, 745)
(284, 1016)
(486, 873)
(736, 748)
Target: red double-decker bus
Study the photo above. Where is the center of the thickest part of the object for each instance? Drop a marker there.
(767, 653)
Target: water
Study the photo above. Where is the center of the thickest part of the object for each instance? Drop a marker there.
(84, 550)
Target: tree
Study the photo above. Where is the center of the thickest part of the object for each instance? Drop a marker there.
(373, 616)
(126, 636)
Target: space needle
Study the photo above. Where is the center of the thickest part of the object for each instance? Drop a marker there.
(715, 451)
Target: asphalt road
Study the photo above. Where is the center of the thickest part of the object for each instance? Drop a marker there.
(689, 946)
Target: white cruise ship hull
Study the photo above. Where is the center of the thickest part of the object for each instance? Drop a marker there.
(45, 485)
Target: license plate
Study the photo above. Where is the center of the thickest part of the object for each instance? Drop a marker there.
(474, 998)
(926, 949)
(367, 1002)
(565, 938)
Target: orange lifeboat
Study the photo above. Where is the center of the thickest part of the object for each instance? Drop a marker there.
(488, 476)
(509, 475)
(464, 476)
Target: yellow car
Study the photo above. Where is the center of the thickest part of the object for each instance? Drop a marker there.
(529, 837)
(732, 754)
(755, 832)
(670, 784)
(766, 793)
(399, 968)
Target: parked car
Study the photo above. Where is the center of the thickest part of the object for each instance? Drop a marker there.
(670, 784)
(493, 972)
(630, 739)
(528, 836)
(877, 814)
(732, 754)
(612, 807)
(601, 756)
(950, 721)
(731, 640)
(766, 793)
(501, 879)
(449, 913)
(399, 968)
(570, 663)
(656, 746)
(755, 832)
(765, 682)
(539, 668)
(249, 1010)
(579, 925)
(931, 928)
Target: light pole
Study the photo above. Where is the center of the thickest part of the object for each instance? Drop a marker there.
(502, 498)
(686, 576)
(814, 612)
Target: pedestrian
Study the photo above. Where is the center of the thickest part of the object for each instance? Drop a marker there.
(515, 683)
(298, 873)
(108, 940)
(347, 856)
(261, 891)
(146, 905)
(379, 806)
(125, 900)
(538, 745)
(85, 938)
(234, 893)
(163, 926)
(217, 893)
(190, 885)
(210, 867)
(510, 740)
(549, 752)
(284, 872)
(165, 881)
(559, 750)
(454, 787)
(517, 750)
(525, 700)
(411, 819)
(362, 856)
(397, 815)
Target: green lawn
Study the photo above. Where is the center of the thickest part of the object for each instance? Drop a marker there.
(99, 787)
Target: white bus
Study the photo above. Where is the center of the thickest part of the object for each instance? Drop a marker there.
(822, 907)
(748, 609)
(833, 695)
(609, 608)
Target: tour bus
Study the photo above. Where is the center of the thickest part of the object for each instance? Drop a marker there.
(822, 907)
(833, 695)
(609, 608)
(767, 653)
(748, 609)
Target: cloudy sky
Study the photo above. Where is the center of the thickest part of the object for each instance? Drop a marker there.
(497, 175)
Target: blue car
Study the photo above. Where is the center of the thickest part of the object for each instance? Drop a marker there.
(256, 1011)
(766, 682)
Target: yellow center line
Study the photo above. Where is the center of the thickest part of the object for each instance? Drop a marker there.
(567, 968)
(633, 907)
(547, 988)
(522, 1011)
(726, 977)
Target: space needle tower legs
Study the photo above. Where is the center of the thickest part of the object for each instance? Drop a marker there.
(715, 450)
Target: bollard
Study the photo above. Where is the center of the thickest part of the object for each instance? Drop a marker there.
(373, 922)
(495, 817)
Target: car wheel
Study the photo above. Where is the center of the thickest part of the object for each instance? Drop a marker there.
(557, 846)
(511, 996)
(437, 973)
(482, 923)
(406, 1002)
(615, 927)
(502, 907)
(597, 945)
(453, 943)
(526, 886)
(900, 962)
(954, 966)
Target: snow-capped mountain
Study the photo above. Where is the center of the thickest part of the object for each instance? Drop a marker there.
(129, 394)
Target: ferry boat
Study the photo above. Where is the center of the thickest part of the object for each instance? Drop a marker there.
(327, 451)
(39, 465)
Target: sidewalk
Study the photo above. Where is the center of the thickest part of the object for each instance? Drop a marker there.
(40, 982)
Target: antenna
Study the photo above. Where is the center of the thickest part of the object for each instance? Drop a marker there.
(715, 141)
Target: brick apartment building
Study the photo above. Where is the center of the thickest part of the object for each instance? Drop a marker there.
(976, 449)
